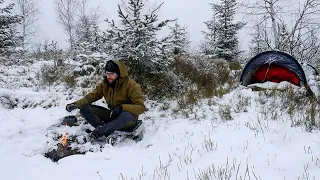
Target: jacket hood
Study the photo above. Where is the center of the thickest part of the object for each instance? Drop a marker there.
(123, 68)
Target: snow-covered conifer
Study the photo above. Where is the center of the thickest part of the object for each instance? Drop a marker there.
(259, 40)
(9, 38)
(89, 40)
(179, 39)
(210, 36)
(87, 33)
(283, 34)
(135, 38)
(226, 45)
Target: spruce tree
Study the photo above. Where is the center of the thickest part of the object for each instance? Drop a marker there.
(89, 40)
(179, 39)
(259, 40)
(9, 38)
(88, 36)
(283, 34)
(226, 45)
(210, 36)
(135, 38)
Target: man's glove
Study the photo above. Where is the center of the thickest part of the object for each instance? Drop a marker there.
(98, 131)
(115, 112)
(71, 107)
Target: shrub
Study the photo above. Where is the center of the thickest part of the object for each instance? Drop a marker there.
(49, 74)
(161, 85)
(209, 75)
(222, 72)
(235, 65)
(69, 80)
(8, 101)
(225, 112)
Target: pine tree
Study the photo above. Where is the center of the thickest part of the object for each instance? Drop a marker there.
(89, 40)
(283, 34)
(87, 33)
(179, 39)
(135, 38)
(258, 42)
(210, 36)
(9, 38)
(226, 45)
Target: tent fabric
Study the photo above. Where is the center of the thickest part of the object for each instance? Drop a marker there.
(309, 70)
(277, 59)
(277, 74)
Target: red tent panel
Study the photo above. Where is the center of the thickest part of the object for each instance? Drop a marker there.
(276, 73)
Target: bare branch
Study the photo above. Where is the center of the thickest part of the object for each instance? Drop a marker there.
(30, 14)
(67, 12)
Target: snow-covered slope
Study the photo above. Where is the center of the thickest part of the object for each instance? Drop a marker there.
(256, 144)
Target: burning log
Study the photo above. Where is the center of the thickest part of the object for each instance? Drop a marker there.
(63, 149)
(62, 152)
(64, 139)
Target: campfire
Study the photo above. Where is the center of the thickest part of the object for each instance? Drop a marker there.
(63, 148)
(64, 139)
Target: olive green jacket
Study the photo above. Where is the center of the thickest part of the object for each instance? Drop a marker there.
(126, 92)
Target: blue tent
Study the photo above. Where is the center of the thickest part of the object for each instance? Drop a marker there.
(272, 59)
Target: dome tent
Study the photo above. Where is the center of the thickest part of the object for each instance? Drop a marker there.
(274, 66)
(309, 70)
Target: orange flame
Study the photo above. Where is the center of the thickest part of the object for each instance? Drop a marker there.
(64, 139)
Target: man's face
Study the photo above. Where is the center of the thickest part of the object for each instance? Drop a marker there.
(111, 76)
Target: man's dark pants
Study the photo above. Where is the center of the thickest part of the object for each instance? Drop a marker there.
(97, 115)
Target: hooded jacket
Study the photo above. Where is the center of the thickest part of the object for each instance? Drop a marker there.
(126, 92)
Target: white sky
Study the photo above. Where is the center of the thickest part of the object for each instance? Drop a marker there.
(190, 13)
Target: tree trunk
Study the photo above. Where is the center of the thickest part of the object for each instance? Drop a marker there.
(274, 23)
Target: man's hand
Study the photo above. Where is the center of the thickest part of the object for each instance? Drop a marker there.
(71, 107)
(115, 112)
(98, 131)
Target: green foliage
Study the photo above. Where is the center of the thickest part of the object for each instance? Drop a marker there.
(223, 72)
(291, 109)
(235, 65)
(165, 106)
(178, 39)
(85, 83)
(209, 75)
(9, 38)
(49, 74)
(49, 50)
(290, 102)
(135, 39)
(160, 85)
(52, 74)
(242, 104)
(222, 91)
(190, 98)
(69, 80)
(208, 90)
(225, 112)
(221, 36)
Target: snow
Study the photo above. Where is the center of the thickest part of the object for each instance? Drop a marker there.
(272, 85)
(311, 79)
(192, 145)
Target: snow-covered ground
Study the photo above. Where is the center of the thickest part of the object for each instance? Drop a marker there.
(197, 144)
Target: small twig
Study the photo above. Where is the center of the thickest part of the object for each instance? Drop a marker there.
(99, 175)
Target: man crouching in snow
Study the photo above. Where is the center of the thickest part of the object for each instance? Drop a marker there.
(123, 96)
